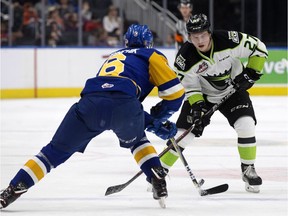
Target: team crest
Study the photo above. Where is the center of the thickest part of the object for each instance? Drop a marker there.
(180, 61)
(233, 35)
(202, 67)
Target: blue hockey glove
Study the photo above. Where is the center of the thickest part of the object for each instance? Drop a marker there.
(246, 79)
(196, 116)
(165, 130)
(161, 112)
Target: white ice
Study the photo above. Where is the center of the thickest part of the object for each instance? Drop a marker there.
(77, 187)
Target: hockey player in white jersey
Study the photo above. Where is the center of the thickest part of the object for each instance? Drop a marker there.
(209, 66)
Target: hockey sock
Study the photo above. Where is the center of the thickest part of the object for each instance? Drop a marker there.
(247, 150)
(146, 157)
(32, 172)
(245, 128)
(38, 166)
(170, 158)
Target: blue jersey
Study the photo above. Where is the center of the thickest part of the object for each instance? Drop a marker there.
(136, 71)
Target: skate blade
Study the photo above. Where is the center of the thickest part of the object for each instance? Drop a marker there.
(252, 188)
(162, 202)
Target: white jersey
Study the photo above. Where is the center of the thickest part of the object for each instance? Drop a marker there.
(211, 73)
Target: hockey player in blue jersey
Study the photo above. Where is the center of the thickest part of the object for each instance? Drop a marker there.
(112, 101)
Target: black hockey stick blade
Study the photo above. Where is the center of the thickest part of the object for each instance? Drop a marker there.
(118, 188)
(115, 189)
(214, 190)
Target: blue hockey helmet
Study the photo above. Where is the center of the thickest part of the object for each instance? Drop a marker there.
(138, 36)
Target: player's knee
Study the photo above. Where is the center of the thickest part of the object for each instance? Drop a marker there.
(245, 127)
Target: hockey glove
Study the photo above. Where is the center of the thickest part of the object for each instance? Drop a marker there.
(198, 109)
(246, 79)
(165, 130)
(160, 111)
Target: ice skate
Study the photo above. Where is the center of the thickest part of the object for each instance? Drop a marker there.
(159, 185)
(11, 193)
(150, 187)
(251, 179)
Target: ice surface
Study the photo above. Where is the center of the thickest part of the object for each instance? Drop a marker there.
(78, 186)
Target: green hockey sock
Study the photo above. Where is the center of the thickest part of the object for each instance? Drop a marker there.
(247, 154)
(168, 159)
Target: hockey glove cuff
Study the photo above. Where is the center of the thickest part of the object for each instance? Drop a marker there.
(161, 112)
(165, 130)
(246, 79)
(197, 117)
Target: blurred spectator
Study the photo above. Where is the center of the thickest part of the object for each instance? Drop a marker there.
(98, 38)
(4, 32)
(71, 22)
(65, 8)
(30, 21)
(86, 12)
(47, 5)
(17, 23)
(92, 24)
(112, 25)
(70, 18)
(90, 21)
(54, 35)
(101, 38)
(99, 7)
(17, 20)
(54, 28)
(54, 16)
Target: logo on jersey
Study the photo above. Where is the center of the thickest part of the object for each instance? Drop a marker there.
(135, 33)
(220, 81)
(180, 61)
(233, 35)
(128, 141)
(107, 85)
(226, 57)
(202, 67)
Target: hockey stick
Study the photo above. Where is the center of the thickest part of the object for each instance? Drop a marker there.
(118, 188)
(202, 192)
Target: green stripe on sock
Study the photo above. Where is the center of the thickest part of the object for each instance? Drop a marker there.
(247, 153)
(169, 159)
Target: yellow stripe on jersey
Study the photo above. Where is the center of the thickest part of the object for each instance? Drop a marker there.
(172, 93)
(144, 153)
(35, 168)
(159, 70)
